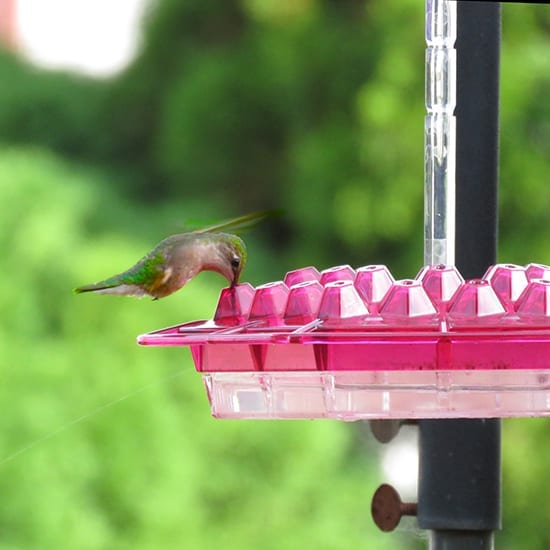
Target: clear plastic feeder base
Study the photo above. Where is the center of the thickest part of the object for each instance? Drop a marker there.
(356, 344)
(363, 395)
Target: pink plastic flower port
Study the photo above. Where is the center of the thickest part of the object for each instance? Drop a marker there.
(269, 303)
(534, 302)
(301, 276)
(440, 283)
(407, 301)
(303, 303)
(234, 305)
(476, 302)
(338, 273)
(341, 301)
(373, 282)
(509, 281)
(537, 271)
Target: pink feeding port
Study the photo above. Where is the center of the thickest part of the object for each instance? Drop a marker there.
(476, 303)
(351, 344)
(440, 283)
(537, 271)
(508, 281)
(372, 283)
(303, 303)
(341, 302)
(269, 303)
(534, 302)
(234, 305)
(301, 276)
(407, 302)
(338, 273)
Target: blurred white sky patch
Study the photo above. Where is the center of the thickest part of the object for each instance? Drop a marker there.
(96, 37)
(400, 463)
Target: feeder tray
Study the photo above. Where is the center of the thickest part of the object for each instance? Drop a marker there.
(356, 344)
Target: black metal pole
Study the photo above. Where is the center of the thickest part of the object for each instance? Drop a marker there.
(477, 119)
(459, 464)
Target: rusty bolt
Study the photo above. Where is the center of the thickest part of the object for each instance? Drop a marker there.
(387, 508)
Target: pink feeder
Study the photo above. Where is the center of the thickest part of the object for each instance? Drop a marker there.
(365, 346)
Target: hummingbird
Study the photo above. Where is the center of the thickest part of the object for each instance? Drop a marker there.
(175, 260)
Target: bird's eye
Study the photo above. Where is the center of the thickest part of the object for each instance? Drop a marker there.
(235, 262)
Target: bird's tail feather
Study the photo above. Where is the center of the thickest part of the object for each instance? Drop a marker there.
(111, 287)
(95, 287)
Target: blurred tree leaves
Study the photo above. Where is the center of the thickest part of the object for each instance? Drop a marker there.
(57, 111)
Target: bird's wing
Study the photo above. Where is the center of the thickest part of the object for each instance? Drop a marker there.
(241, 223)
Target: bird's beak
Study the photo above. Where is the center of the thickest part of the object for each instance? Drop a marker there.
(236, 275)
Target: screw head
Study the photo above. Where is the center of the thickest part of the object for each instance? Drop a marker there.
(387, 508)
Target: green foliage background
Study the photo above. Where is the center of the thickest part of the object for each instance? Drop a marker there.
(312, 106)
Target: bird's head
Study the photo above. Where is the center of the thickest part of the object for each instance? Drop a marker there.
(231, 257)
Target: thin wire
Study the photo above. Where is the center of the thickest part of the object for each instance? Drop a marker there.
(90, 414)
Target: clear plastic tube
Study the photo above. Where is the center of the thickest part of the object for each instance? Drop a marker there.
(440, 133)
